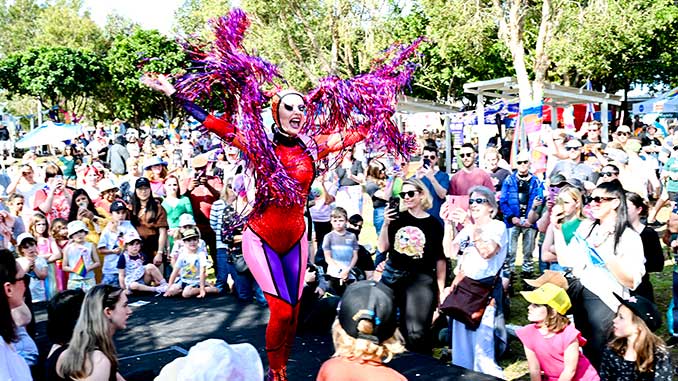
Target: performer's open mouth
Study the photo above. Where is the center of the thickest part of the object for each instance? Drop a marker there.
(295, 122)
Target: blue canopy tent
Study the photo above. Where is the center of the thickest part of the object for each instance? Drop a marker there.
(49, 133)
(666, 103)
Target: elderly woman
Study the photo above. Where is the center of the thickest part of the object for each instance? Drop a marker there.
(606, 256)
(416, 267)
(480, 249)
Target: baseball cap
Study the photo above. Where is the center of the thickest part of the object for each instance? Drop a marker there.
(549, 276)
(644, 309)
(117, 205)
(76, 227)
(154, 161)
(550, 295)
(617, 155)
(190, 233)
(371, 301)
(130, 236)
(23, 237)
(142, 182)
(215, 360)
(186, 220)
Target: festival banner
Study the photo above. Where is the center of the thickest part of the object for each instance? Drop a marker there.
(531, 123)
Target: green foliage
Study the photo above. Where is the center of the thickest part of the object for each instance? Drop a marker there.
(128, 58)
(54, 75)
(60, 24)
(18, 25)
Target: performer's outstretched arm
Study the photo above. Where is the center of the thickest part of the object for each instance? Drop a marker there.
(336, 142)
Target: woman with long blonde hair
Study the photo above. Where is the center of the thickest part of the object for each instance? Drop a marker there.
(91, 355)
(570, 202)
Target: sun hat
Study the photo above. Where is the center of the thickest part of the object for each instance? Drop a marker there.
(106, 185)
(550, 295)
(372, 301)
(554, 277)
(131, 235)
(644, 309)
(199, 161)
(23, 237)
(190, 233)
(186, 220)
(215, 360)
(76, 227)
(154, 161)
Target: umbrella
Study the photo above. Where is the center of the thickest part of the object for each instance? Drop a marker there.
(49, 133)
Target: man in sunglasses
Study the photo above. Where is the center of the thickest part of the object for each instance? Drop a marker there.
(469, 175)
(622, 134)
(518, 195)
(573, 167)
(436, 181)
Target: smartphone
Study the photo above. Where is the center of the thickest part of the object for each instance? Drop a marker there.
(426, 163)
(197, 175)
(394, 204)
(553, 193)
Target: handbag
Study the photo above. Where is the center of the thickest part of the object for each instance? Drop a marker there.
(468, 301)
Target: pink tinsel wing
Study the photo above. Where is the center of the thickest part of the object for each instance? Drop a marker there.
(223, 70)
(343, 105)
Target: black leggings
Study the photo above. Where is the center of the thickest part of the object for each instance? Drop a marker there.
(594, 320)
(416, 297)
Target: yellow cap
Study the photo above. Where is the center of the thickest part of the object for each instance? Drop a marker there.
(550, 295)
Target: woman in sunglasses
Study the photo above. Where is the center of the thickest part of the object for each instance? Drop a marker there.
(416, 266)
(606, 259)
(342, 113)
(11, 296)
(480, 248)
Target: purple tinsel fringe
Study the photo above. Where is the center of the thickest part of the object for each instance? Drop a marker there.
(224, 70)
(225, 67)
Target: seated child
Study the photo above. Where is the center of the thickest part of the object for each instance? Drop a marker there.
(190, 269)
(365, 335)
(111, 242)
(551, 342)
(636, 353)
(186, 221)
(133, 275)
(80, 258)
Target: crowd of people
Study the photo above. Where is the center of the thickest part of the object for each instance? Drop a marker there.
(171, 224)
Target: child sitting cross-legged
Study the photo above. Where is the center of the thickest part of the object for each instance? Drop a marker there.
(190, 269)
(133, 275)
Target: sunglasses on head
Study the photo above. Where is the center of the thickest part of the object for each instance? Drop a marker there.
(466, 154)
(521, 162)
(472, 201)
(409, 194)
(300, 108)
(599, 199)
(608, 174)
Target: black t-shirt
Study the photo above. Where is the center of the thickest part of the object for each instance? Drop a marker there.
(365, 261)
(523, 194)
(415, 244)
(500, 174)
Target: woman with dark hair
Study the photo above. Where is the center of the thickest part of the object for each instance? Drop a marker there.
(607, 258)
(150, 220)
(12, 366)
(379, 188)
(652, 248)
(83, 209)
(91, 352)
(63, 311)
(55, 198)
(68, 162)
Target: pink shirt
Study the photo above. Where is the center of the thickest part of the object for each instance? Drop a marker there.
(462, 181)
(550, 352)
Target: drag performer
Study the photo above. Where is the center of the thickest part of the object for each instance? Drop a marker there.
(306, 130)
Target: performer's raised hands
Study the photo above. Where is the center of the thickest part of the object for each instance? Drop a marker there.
(158, 82)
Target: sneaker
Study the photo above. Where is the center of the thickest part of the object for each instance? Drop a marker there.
(161, 289)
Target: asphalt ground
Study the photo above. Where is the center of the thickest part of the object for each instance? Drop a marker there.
(165, 329)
